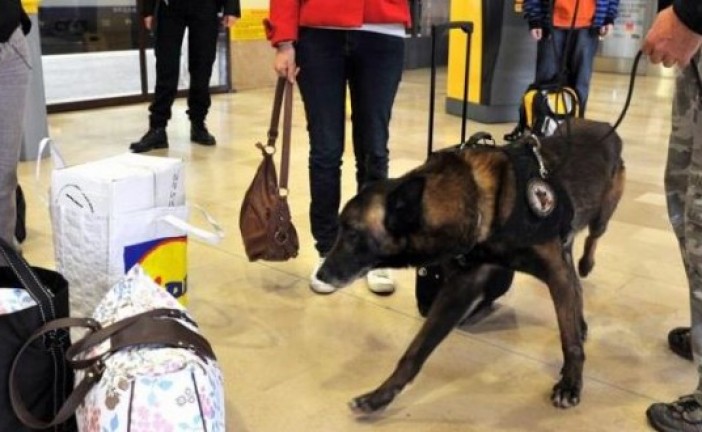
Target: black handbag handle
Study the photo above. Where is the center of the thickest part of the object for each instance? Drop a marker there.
(30, 281)
(156, 326)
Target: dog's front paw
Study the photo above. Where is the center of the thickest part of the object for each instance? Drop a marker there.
(566, 394)
(371, 402)
(585, 266)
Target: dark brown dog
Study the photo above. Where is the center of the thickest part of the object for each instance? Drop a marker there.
(453, 209)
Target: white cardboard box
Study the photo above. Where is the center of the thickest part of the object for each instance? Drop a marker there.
(120, 184)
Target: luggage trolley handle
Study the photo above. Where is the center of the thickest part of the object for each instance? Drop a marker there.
(467, 28)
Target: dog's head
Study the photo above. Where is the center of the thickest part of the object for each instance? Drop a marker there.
(409, 221)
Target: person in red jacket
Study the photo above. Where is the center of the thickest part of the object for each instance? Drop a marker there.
(327, 45)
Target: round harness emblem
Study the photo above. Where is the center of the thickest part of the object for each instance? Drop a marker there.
(541, 197)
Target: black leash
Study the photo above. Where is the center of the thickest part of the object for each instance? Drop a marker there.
(630, 92)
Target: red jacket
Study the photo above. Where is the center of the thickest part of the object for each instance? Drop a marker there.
(286, 16)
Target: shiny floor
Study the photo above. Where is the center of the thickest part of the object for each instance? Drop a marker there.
(293, 359)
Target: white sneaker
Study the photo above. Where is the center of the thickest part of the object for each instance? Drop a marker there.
(380, 281)
(317, 285)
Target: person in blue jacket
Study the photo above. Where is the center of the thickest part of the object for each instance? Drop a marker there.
(567, 34)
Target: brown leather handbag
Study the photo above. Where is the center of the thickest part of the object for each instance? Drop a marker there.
(265, 222)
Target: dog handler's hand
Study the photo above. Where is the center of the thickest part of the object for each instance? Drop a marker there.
(536, 33)
(284, 63)
(669, 41)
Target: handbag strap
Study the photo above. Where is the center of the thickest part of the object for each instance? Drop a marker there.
(283, 98)
(43, 297)
(146, 328)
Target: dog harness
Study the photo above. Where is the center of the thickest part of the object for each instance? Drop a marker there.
(542, 208)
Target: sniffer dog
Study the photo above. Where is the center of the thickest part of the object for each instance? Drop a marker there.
(463, 209)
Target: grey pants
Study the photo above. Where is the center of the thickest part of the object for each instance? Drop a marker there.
(683, 187)
(14, 80)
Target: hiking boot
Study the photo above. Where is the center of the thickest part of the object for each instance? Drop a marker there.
(380, 282)
(154, 138)
(680, 343)
(199, 134)
(683, 415)
(516, 133)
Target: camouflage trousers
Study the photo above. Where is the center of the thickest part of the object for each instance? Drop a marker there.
(683, 188)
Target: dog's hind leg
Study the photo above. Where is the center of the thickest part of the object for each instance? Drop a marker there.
(462, 290)
(564, 286)
(598, 225)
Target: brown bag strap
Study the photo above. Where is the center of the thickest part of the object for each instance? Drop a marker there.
(287, 129)
(146, 328)
(284, 88)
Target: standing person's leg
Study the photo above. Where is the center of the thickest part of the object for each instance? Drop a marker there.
(375, 70)
(203, 28)
(170, 27)
(683, 182)
(322, 80)
(14, 81)
(580, 62)
(549, 52)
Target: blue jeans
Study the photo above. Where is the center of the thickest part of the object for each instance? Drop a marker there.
(579, 55)
(371, 65)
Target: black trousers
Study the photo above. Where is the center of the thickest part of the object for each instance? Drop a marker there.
(200, 18)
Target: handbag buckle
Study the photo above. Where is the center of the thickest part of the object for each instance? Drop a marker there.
(95, 371)
(281, 236)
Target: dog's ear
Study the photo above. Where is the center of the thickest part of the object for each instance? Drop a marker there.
(403, 208)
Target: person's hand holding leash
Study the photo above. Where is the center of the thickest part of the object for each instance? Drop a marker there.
(284, 63)
(669, 41)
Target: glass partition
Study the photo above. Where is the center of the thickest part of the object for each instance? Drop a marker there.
(96, 52)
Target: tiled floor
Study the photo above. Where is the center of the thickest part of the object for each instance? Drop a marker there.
(293, 359)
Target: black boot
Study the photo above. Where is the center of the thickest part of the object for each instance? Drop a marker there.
(155, 138)
(199, 134)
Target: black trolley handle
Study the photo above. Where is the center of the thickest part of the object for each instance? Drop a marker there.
(467, 28)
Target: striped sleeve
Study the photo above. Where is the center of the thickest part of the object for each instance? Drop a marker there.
(534, 13)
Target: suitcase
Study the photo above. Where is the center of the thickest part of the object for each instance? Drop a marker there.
(429, 278)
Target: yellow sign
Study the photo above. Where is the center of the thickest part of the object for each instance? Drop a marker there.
(250, 25)
(31, 6)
